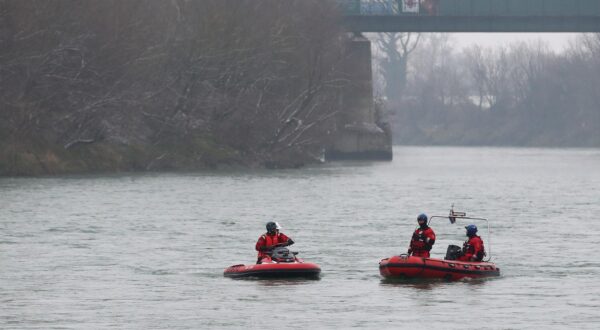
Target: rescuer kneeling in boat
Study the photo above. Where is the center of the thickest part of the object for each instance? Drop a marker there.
(422, 239)
(270, 240)
(473, 249)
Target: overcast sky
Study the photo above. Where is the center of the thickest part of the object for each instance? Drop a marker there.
(556, 41)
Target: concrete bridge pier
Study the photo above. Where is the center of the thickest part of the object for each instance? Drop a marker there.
(358, 135)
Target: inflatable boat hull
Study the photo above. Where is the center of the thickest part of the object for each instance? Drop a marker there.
(429, 268)
(274, 270)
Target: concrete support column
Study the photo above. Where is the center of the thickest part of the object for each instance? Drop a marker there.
(357, 97)
(358, 135)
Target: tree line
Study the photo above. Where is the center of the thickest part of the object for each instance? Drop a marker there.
(153, 84)
(523, 94)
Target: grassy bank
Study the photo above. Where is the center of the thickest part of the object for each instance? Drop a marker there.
(35, 158)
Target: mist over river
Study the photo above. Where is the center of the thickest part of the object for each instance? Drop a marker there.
(147, 251)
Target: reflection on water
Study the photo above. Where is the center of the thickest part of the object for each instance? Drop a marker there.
(283, 282)
(422, 283)
(413, 283)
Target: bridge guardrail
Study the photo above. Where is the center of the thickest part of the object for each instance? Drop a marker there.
(512, 8)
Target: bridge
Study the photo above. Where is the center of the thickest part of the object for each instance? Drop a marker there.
(359, 135)
(471, 15)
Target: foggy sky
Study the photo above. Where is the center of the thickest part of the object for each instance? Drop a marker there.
(556, 41)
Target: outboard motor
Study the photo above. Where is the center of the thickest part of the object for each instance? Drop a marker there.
(282, 254)
(453, 252)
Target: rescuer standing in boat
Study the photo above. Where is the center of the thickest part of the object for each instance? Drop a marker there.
(473, 249)
(422, 239)
(270, 240)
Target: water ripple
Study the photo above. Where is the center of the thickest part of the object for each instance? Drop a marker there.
(148, 251)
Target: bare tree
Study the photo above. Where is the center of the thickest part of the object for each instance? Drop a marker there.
(395, 49)
(257, 77)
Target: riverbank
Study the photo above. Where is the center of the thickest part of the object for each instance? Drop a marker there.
(34, 159)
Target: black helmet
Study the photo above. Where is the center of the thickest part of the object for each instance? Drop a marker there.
(422, 217)
(272, 227)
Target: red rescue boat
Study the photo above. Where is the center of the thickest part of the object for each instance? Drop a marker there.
(283, 264)
(449, 268)
(404, 266)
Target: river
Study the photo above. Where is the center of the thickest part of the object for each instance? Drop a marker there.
(147, 251)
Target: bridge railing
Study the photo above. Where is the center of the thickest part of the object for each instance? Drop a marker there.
(512, 8)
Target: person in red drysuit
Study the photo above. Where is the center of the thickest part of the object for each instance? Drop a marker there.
(270, 240)
(473, 249)
(422, 239)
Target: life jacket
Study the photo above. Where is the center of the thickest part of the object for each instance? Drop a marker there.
(419, 244)
(266, 240)
(272, 240)
(473, 247)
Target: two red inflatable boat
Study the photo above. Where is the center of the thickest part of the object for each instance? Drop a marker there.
(283, 264)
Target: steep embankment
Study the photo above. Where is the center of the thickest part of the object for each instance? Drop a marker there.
(108, 85)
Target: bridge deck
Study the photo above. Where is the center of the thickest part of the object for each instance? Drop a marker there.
(471, 15)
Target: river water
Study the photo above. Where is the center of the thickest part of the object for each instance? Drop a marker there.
(147, 251)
